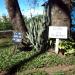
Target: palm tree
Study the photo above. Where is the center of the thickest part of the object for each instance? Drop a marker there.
(16, 17)
(59, 12)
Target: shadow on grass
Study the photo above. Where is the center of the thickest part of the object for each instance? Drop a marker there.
(25, 49)
(5, 45)
(14, 68)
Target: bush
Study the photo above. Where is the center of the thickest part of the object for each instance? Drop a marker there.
(68, 45)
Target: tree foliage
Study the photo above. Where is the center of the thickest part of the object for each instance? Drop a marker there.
(68, 45)
(5, 23)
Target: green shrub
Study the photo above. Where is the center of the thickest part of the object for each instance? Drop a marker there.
(68, 45)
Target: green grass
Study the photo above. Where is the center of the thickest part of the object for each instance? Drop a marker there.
(70, 72)
(7, 57)
(43, 60)
(33, 73)
(59, 73)
(36, 59)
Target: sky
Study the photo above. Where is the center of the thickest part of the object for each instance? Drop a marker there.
(27, 9)
(3, 10)
(25, 6)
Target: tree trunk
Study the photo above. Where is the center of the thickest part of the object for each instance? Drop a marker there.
(59, 12)
(16, 16)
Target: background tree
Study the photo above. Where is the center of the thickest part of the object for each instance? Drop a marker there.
(5, 23)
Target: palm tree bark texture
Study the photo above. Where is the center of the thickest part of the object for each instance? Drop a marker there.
(16, 17)
(59, 13)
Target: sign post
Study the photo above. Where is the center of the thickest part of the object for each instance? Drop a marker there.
(57, 33)
(17, 39)
(56, 46)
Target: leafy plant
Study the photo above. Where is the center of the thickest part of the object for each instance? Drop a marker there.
(68, 45)
(36, 28)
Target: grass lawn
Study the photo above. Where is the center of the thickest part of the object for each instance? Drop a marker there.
(26, 61)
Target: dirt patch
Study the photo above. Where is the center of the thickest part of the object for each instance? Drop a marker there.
(51, 70)
(3, 72)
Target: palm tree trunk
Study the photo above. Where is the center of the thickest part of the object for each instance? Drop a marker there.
(16, 16)
(59, 12)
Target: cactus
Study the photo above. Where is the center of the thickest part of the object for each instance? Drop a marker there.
(35, 29)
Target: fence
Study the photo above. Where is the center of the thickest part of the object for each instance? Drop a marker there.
(6, 33)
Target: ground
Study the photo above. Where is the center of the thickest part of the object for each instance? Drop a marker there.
(58, 65)
(51, 70)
